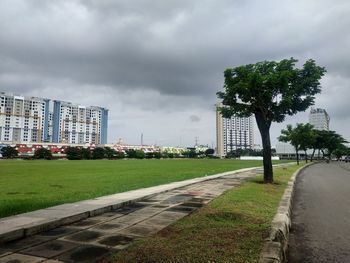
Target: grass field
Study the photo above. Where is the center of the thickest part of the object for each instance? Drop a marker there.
(232, 228)
(30, 185)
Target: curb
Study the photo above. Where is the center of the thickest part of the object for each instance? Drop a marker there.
(27, 224)
(276, 245)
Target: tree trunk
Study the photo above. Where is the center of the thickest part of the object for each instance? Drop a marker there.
(305, 156)
(312, 155)
(264, 128)
(297, 153)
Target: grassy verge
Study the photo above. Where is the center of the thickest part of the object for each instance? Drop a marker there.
(31, 185)
(231, 228)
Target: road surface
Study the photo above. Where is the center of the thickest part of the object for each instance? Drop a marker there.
(321, 215)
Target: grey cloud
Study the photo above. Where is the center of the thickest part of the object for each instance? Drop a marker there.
(195, 118)
(152, 56)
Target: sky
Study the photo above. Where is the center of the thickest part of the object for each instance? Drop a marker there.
(157, 65)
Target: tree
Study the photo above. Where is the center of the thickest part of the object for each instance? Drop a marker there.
(9, 152)
(98, 153)
(332, 141)
(270, 90)
(42, 153)
(341, 151)
(301, 137)
(73, 153)
(120, 155)
(131, 153)
(139, 154)
(85, 153)
(209, 152)
(110, 153)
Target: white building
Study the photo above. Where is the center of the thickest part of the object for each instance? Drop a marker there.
(23, 119)
(30, 119)
(233, 133)
(319, 118)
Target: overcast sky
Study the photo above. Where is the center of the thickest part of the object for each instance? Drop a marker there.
(157, 65)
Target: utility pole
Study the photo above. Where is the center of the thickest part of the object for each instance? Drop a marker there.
(141, 140)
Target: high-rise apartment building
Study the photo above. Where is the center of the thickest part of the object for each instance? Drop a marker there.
(319, 118)
(23, 119)
(233, 133)
(79, 124)
(31, 119)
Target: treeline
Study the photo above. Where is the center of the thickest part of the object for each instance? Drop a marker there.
(78, 153)
(304, 137)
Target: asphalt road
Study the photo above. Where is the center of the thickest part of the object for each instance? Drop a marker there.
(321, 215)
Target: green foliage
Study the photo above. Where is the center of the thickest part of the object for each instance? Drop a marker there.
(139, 154)
(42, 153)
(110, 153)
(209, 152)
(243, 152)
(157, 155)
(120, 155)
(98, 153)
(73, 153)
(86, 153)
(149, 155)
(270, 90)
(301, 137)
(331, 141)
(9, 152)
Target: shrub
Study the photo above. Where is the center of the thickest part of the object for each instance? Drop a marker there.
(149, 155)
(110, 153)
(42, 153)
(139, 154)
(9, 152)
(74, 153)
(131, 153)
(98, 153)
(85, 153)
(157, 155)
(120, 155)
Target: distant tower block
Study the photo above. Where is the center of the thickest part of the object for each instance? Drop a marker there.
(319, 118)
(233, 133)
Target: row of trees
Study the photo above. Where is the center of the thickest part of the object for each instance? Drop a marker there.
(304, 137)
(78, 153)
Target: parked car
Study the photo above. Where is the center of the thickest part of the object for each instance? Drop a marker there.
(347, 159)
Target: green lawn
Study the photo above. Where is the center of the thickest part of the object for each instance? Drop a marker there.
(232, 228)
(31, 185)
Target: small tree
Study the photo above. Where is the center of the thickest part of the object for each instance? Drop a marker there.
(131, 153)
(209, 152)
(9, 152)
(270, 90)
(85, 153)
(120, 155)
(98, 153)
(73, 153)
(332, 141)
(139, 154)
(300, 137)
(42, 153)
(157, 155)
(110, 153)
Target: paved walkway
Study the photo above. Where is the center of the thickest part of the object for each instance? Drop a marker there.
(320, 220)
(93, 238)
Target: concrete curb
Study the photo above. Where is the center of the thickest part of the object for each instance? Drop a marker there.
(27, 224)
(276, 245)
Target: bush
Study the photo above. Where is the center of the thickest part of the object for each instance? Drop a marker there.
(139, 154)
(131, 153)
(9, 152)
(98, 153)
(42, 153)
(120, 155)
(110, 153)
(73, 153)
(149, 155)
(157, 155)
(85, 153)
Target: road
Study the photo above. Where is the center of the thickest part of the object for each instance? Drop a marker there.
(321, 215)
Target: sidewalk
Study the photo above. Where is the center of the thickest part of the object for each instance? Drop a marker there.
(88, 230)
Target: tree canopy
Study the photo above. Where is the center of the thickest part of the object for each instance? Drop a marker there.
(270, 90)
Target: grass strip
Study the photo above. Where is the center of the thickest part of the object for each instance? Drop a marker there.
(232, 228)
(31, 185)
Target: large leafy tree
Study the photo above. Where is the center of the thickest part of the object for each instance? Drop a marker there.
(270, 90)
(332, 141)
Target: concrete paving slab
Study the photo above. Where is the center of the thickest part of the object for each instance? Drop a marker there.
(88, 254)
(20, 258)
(50, 249)
(17, 245)
(84, 236)
(58, 232)
(141, 230)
